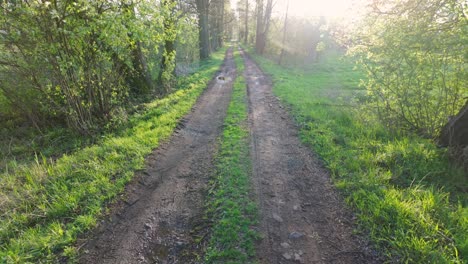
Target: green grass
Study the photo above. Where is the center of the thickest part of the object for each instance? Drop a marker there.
(408, 198)
(230, 205)
(44, 206)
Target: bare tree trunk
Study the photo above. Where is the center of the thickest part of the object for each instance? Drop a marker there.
(455, 132)
(204, 34)
(455, 136)
(246, 37)
(259, 31)
(267, 18)
(168, 63)
(263, 25)
(214, 22)
(284, 34)
(221, 24)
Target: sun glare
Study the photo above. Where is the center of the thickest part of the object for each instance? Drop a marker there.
(314, 8)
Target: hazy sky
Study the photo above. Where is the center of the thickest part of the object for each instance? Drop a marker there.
(307, 8)
(328, 8)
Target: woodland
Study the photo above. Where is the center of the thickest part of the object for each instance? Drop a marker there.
(89, 88)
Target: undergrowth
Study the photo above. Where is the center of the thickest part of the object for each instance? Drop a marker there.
(45, 205)
(230, 206)
(407, 196)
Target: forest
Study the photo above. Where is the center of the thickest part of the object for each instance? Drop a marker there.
(283, 131)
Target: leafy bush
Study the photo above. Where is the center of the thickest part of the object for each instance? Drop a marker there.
(76, 62)
(414, 53)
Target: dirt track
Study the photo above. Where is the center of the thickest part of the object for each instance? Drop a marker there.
(165, 202)
(303, 219)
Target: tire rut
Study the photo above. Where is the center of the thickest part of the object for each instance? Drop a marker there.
(164, 202)
(302, 216)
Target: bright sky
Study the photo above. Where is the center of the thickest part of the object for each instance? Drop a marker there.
(314, 8)
(308, 8)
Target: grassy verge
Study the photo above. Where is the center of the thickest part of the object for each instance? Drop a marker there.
(230, 205)
(407, 196)
(44, 206)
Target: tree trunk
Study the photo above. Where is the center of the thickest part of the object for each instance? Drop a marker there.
(455, 132)
(214, 26)
(263, 25)
(455, 136)
(168, 63)
(221, 24)
(143, 72)
(246, 37)
(259, 31)
(204, 34)
(284, 35)
(312, 56)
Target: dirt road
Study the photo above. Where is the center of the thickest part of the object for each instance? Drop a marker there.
(165, 201)
(303, 219)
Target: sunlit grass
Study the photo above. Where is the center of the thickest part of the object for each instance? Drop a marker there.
(46, 204)
(408, 197)
(230, 206)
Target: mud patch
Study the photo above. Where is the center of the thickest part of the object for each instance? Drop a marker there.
(162, 205)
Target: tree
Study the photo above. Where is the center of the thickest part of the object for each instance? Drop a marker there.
(230, 22)
(211, 22)
(78, 63)
(314, 38)
(203, 23)
(263, 24)
(168, 61)
(415, 56)
(284, 34)
(455, 132)
(217, 23)
(246, 22)
(138, 76)
(73, 62)
(243, 12)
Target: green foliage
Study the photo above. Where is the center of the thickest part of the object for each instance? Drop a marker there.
(305, 41)
(63, 59)
(407, 196)
(78, 63)
(166, 76)
(414, 54)
(45, 205)
(230, 206)
(187, 44)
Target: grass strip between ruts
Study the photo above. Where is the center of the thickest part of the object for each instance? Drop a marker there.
(230, 204)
